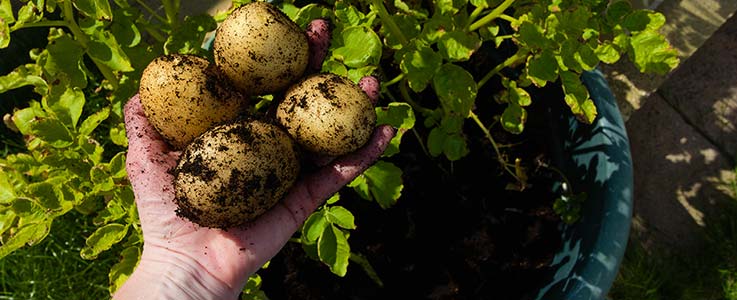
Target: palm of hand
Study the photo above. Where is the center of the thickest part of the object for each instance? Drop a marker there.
(229, 255)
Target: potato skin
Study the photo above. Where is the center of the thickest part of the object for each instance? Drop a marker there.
(235, 172)
(327, 114)
(184, 95)
(260, 49)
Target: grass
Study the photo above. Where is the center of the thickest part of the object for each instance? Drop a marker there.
(53, 269)
(656, 274)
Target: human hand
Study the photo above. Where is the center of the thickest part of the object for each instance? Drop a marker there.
(182, 260)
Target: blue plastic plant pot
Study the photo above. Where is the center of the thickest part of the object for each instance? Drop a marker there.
(596, 159)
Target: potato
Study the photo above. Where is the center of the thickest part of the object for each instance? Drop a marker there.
(327, 114)
(184, 95)
(235, 172)
(260, 49)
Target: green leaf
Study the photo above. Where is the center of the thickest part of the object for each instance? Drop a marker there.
(448, 139)
(63, 57)
(458, 45)
(103, 48)
(456, 89)
(89, 124)
(518, 95)
(124, 28)
(29, 234)
(103, 239)
(23, 75)
(52, 131)
(7, 190)
(116, 208)
(652, 53)
(399, 115)
(116, 167)
(334, 250)
(385, 183)
(333, 66)
(361, 46)
(340, 216)
(409, 27)
(607, 53)
(4, 34)
(6, 12)
(570, 56)
(450, 6)
(29, 211)
(7, 220)
(95, 9)
(542, 67)
(532, 35)
(419, 66)
(643, 19)
(314, 226)
(117, 135)
(66, 103)
(436, 27)
(348, 14)
(188, 37)
(310, 12)
(618, 10)
(28, 13)
(45, 194)
(415, 10)
(334, 198)
(513, 118)
(252, 290)
(586, 57)
(120, 272)
(577, 97)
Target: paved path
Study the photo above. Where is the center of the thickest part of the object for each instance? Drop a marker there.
(684, 144)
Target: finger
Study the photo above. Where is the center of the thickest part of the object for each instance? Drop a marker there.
(318, 38)
(370, 86)
(311, 191)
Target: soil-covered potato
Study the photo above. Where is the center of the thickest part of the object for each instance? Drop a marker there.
(235, 172)
(260, 49)
(327, 114)
(184, 95)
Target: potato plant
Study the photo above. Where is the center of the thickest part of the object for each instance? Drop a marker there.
(72, 124)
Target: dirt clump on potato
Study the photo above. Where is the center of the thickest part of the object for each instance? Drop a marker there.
(235, 172)
(327, 114)
(260, 49)
(184, 95)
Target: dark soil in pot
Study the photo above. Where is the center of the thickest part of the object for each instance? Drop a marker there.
(457, 232)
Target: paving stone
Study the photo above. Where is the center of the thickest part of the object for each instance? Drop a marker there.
(680, 178)
(704, 89)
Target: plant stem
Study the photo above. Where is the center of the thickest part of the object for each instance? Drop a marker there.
(491, 16)
(517, 57)
(387, 20)
(405, 95)
(508, 18)
(394, 80)
(474, 14)
(171, 9)
(45, 23)
(366, 266)
(499, 156)
(151, 11)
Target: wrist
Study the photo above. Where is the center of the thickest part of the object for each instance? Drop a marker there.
(164, 274)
